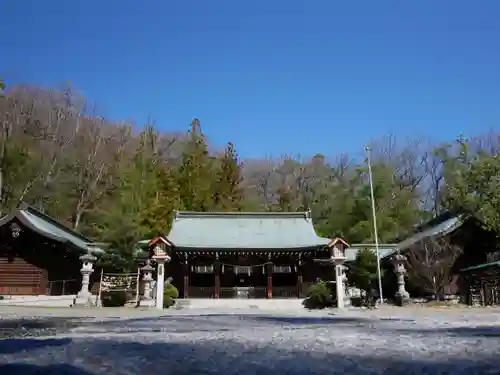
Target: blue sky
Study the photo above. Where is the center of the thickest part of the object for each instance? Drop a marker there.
(272, 76)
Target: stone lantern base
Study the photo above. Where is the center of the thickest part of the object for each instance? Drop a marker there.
(402, 298)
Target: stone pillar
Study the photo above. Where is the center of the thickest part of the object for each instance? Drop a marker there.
(217, 278)
(160, 257)
(300, 277)
(402, 296)
(338, 259)
(185, 284)
(269, 279)
(147, 278)
(347, 297)
(84, 295)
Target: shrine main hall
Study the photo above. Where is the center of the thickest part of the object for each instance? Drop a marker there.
(247, 254)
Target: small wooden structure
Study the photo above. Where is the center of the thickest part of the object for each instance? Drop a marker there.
(483, 281)
(39, 255)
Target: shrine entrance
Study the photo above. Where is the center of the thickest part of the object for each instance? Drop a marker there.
(248, 281)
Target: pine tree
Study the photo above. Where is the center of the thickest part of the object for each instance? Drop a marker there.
(195, 174)
(228, 194)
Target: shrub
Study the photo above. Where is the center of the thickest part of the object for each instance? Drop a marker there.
(113, 298)
(320, 296)
(170, 294)
(2, 297)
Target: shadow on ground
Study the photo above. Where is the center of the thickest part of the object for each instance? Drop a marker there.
(113, 357)
(9, 346)
(36, 327)
(309, 320)
(479, 331)
(26, 369)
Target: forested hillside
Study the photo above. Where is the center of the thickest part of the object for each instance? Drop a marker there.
(120, 182)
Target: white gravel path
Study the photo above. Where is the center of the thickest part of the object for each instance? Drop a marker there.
(388, 341)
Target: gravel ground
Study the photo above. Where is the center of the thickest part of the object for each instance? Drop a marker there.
(386, 341)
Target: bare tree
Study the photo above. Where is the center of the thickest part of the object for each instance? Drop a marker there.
(430, 264)
(97, 157)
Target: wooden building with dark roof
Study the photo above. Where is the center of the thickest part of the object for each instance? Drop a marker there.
(39, 255)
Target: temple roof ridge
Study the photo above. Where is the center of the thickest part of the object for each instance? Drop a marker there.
(243, 214)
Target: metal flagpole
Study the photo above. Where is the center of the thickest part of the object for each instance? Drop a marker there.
(375, 232)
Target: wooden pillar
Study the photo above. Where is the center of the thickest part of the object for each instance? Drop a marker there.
(186, 277)
(299, 276)
(269, 279)
(217, 277)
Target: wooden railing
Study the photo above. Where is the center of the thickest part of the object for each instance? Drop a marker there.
(201, 292)
(284, 292)
(304, 292)
(63, 287)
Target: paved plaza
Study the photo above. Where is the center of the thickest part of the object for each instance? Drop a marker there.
(128, 341)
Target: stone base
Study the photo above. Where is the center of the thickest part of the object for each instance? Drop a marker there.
(147, 303)
(85, 301)
(402, 299)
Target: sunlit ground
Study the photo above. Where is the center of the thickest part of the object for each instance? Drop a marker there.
(389, 341)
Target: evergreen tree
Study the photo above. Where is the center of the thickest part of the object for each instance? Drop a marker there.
(195, 173)
(363, 273)
(228, 194)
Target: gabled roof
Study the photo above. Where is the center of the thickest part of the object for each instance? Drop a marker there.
(244, 230)
(480, 267)
(48, 227)
(385, 250)
(157, 240)
(439, 228)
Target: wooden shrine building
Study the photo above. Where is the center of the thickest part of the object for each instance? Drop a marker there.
(246, 254)
(39, 255)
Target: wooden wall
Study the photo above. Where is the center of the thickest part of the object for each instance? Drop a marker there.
(18, 277)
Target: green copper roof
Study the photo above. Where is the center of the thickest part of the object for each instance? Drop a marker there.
(50, 228)
(441, 229)
(244, 230)
(385, 250)
(481, 266)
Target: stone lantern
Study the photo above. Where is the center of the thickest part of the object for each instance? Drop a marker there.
(147, 278)
(84, 295)
(402, 296)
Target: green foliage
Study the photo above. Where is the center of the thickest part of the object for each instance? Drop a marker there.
(113, 298)
(227, 191)
(363, 271)
(473, 184)
(195, 173)
(170, 294)
(320, 296)
(141, 206)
